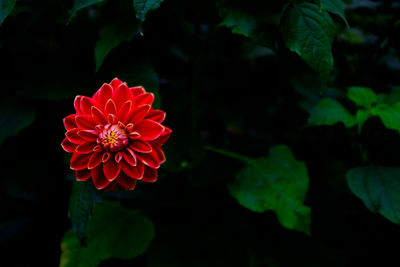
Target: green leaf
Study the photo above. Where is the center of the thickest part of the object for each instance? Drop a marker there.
(142, 7)
(362, 96)
(81, 4)
(308, 31)
(112, 232)
(278, 183)
(14, 117)
(6, 6)
(110, 37)
(389, 115)
(329, 112)
(83, 198)
(379, 188)
(334, 7)
(361, 118)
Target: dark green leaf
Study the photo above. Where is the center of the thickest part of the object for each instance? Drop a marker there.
(379, 189)
(361, 118)
(390, 115)
(83, 198)
(308, 31)
(14, 117)
(6, 6)
(112, 232)
(142, 7)
(110, 37)
(278, 183)
(334, 7)
(362, 96)
(81, 4)
(328, 112)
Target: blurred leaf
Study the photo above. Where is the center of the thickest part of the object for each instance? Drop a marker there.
(335, 7)
(328, 112)
(110, 37)
(362, 96)
(112, 232)
(361, 118)
(390, 115)
(6, 6)
(84, 197)
(278, 183)
(309, 32)
(81, 4)
(14, 117)
(379, 188)
(142, 7)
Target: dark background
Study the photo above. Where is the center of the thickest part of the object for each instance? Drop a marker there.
(218, 89)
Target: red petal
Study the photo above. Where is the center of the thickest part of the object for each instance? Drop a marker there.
(144, 99)
(112, 119)
(73, 136)
(139, 113)
(150, 175)
(134, 135)
(69, 122)
(156, 115)
(98, 116)
(106, 156)
(86, 105)
(98, 178)
(160, 154)
(110, 107)
(77, 104)
(121, 95)
(125, 182)
(135, 172)
(162, 139)
(79, 161)
(118, 157)
(129, 156)
(85, 121)
(111, 169)
(149, 130)
(82, 175)
(125, 111)
(104, 93)
(88, 135)
(68, 146)
(95, 160)
(140, 146)
(115, 83)
(85, 148)
(150, 159)
(138, 90)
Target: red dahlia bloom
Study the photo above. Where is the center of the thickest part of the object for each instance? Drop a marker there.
(116, 137)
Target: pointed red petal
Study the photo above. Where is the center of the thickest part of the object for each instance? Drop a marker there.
(150, 159)
(150, 175)
(106, 156)
(110, 107)
(124, 112)
(138, 90)
(112, 119)
(77, 104)
(162, 138)
(85, 148)
(73, 136)
(115, 83)
(85, 121)
(160, 154)
(156, 115)
(79, 161)
(118, 157)
(95, 160)
(82, 175)
(69, 122)
(111, 169)
(98, 178)
(68, 146)
(88, 135)
(135, 172)
(144, 99)
(140, 146)
(134, 135)
(149, 130)
(104, 93)
(139, 113)
(121, 95)
(98, 116)
(129, 156)
(126, 182)
(86, 105)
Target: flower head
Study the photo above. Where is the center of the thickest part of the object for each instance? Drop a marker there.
(116, 137)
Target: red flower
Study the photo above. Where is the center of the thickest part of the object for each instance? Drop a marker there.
(116, 137)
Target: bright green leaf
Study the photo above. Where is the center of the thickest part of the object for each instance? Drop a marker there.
(142, 7)
(390, 115)
(110, 37)
(379, 189)
(112, 232)
(14, 117)
(328, 112)
(362, 96)
(334, 7)
(361, 118)
(278, 183)
(6, 6)
(83, 198)
(308, 31)
(81, 4)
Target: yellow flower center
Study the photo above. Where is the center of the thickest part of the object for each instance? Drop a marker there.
(113, 138)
